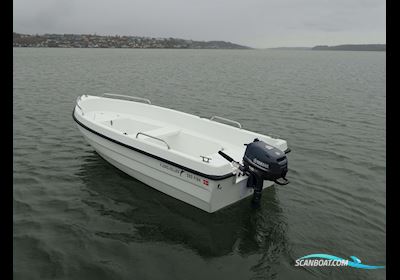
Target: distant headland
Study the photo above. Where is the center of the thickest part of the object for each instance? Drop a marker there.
(349, 47)
(364, 47)
(128, 42)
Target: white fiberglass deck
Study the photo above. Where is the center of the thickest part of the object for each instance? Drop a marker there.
(178, 140)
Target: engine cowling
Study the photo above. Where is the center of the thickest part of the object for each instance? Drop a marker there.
(267, 161)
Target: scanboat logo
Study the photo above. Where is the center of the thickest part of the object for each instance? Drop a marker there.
(329, 260)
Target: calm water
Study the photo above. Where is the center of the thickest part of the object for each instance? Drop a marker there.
(78, 217)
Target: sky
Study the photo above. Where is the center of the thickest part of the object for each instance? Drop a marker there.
(254, 23)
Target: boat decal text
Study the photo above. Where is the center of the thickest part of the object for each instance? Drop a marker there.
(171, 168)
(185, 175)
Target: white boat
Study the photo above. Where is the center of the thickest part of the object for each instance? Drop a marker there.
(200, 161)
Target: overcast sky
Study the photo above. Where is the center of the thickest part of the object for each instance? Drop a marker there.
(255, 23)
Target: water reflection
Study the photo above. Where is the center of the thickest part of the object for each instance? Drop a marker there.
(157, 217)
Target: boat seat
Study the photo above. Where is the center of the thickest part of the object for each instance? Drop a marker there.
(163, 131)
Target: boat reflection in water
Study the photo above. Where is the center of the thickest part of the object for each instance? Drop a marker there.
(156, 217)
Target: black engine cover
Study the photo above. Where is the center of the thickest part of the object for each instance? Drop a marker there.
(265, 160)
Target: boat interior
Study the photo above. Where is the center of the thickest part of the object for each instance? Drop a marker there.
(165, 135)
(188, 135)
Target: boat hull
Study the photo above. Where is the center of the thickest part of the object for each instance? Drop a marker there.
(204, 193)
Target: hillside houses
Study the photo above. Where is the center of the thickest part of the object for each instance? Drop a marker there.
(97, 41)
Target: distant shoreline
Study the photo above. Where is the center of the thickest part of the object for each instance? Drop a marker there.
(359, 47)
(137, 42)
(124, 42)
(348, 47)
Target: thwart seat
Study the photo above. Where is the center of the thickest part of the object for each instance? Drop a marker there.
(163, 131)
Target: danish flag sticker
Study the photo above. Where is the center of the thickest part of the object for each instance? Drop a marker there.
(205, 182)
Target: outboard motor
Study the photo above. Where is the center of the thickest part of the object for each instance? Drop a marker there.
(262, 162)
